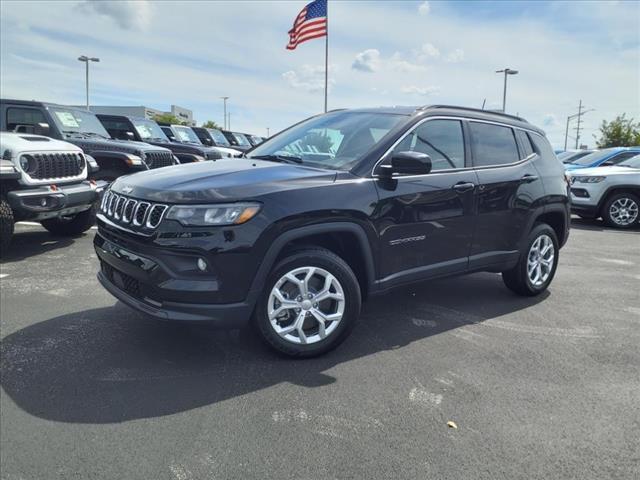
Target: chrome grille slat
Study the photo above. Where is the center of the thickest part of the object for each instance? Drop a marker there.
(139, 216)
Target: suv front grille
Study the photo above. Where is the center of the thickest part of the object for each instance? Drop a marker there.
(158, 159)
(131, 213)
(49, 166)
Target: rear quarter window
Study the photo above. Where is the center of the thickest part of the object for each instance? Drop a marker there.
(493, 145)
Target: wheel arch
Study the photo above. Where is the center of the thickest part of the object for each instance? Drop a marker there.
(557, 218)
(346, 239)
(615, 189)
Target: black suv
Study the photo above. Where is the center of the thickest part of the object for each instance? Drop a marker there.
(237, 140)
(338, 207)
(82, 128)
(139, 129)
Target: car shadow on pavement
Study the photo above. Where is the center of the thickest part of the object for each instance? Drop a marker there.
(110, 365)
(31, 243)
(597, 225)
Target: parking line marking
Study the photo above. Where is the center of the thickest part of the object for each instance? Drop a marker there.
(4, 275)
(34, 224)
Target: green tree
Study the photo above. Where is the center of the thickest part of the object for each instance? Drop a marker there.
(210, 124)
(621, 132)
(168, 118)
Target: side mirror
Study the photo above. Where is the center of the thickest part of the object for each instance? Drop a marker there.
(130, 136)
(42, 129)
(407, 163)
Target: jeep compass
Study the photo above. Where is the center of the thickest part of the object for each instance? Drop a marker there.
(339, 207)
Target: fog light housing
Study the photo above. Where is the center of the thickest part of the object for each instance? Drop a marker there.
(202, 265)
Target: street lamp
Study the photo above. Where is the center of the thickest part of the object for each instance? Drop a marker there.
(224, 99)
(86, 60)
(506, 71)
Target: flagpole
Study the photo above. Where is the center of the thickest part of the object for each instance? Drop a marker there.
(326, 61)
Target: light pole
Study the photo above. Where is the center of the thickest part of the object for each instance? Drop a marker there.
(224, 99)
(86, 61)
(506, 71)
(268, 132)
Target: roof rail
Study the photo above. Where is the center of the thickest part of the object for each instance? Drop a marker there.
(457, 107)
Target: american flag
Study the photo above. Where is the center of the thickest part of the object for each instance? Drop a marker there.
(310, 23)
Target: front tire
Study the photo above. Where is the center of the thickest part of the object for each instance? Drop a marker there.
(7, 223)
(310, 303)
(71, 226)
(621, 210)
(537, 264)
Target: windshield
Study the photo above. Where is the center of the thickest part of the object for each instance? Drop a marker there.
(633, 162)
(241, 139)
(71, 121)
(334, 140)
(218, 137)
(569, 157)
(185, 134)
(593, 157)
(148, 130)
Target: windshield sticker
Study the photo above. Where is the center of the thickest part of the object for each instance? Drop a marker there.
(67, 119)
(144, 131)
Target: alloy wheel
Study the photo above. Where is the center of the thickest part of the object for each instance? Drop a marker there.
(623, 211)
(306, 305)
(540, 260)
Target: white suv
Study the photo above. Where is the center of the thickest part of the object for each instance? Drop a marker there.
(612, 193)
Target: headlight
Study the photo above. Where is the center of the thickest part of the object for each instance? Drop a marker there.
(91, 161)
(204, 215)
(176, 160)
(199, 158)
(134, 159)
(28, 164)
(588, 179)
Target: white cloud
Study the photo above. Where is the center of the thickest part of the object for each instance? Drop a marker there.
(429, 50)
(424, 8)
(550, 120)
(367, 61)
(456, 56)
(128, 14)
(310, 78)
(400, 64)
(423, 91)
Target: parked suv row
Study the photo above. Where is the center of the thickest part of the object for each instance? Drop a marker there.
(337, 208)
(83, 129)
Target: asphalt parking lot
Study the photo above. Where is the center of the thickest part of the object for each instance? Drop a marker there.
(539, 388)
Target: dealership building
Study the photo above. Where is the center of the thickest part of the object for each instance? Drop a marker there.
(183, 114)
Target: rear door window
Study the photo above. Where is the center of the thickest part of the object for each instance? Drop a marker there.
(493, 145)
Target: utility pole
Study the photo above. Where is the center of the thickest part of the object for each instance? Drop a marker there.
(86, 61)
(229, 121)
(224, 99)
(578, 115)
(578, 126)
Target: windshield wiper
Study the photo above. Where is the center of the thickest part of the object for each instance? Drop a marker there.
(93, 134)
(279, 158)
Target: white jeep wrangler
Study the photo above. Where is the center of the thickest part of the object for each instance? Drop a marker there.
(45, 180)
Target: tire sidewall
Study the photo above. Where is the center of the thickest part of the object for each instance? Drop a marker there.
(538, 231)
(607, 206)
(7, 224)
(338, 268)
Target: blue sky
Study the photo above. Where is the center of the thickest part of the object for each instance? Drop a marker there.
(381, 53)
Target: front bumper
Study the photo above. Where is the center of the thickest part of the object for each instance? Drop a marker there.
(41, 203)
(162, 288)
(585, 198)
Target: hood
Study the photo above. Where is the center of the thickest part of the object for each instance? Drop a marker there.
(225, 180)
(604, 171)
(178, 147)
(23, 142)
(96, 144)
(226, 151)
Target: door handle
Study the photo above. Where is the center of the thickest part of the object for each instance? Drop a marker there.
(528, 178)
(463, 187)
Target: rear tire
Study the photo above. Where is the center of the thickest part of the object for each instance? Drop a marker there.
(325, 314)
(537, 264)
(7, 223)
(621, 210)
(71, 226)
